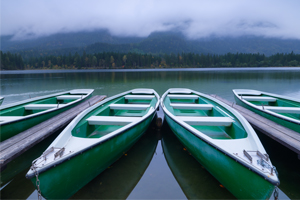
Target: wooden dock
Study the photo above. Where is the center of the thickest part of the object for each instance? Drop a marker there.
(283, 135)
(17, 145)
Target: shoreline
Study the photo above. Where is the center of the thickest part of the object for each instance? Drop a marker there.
(39, 71)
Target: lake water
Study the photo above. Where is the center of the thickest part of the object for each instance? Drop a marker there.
(157, 167)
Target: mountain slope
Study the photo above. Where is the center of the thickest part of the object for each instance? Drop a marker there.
(65, 40)
(156, 43)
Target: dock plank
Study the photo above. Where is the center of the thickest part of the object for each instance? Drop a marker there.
(281, 134)
(17, 145)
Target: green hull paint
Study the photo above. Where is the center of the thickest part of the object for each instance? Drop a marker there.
(113, 183)
(194, 180)
(288, 124)
(240, 181)
(63, 180)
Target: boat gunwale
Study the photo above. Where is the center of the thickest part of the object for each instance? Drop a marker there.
(78, 118)
(285, 118)
(237, 159)
(45, 111)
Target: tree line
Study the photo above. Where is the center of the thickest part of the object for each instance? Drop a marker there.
(131, 60)
(11, 61)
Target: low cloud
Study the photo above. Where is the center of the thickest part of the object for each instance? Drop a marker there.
(194, 18)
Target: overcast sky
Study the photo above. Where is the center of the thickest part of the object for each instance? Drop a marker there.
(194, 18)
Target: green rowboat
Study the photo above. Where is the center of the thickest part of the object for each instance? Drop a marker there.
(280, 109)
(94, 140)
(19, 116)
(222, 141)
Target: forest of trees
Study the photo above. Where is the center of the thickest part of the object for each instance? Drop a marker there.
(113, 60)
(11, 61)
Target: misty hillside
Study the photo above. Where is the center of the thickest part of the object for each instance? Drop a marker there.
(157, 43)
(64, 40)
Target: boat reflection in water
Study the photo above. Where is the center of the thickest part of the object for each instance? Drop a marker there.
(14, 185)
(195, 181)
(119, 180)
(18, 188)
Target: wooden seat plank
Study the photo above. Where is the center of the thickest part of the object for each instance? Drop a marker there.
(129, 106)
(67, 97)
(177, 96)
(254, 98)
(111, 120)
(192, 106)
(139, 97)
(278, 109)
(207, 121)
(43, 106)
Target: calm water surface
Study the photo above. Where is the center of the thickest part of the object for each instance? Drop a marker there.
(157, 167)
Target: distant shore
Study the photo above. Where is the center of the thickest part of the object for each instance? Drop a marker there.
(37, 71)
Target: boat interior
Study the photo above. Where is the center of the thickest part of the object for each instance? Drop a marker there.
(33, 107)
(204, 115)
(114, 115)
(278, 105)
